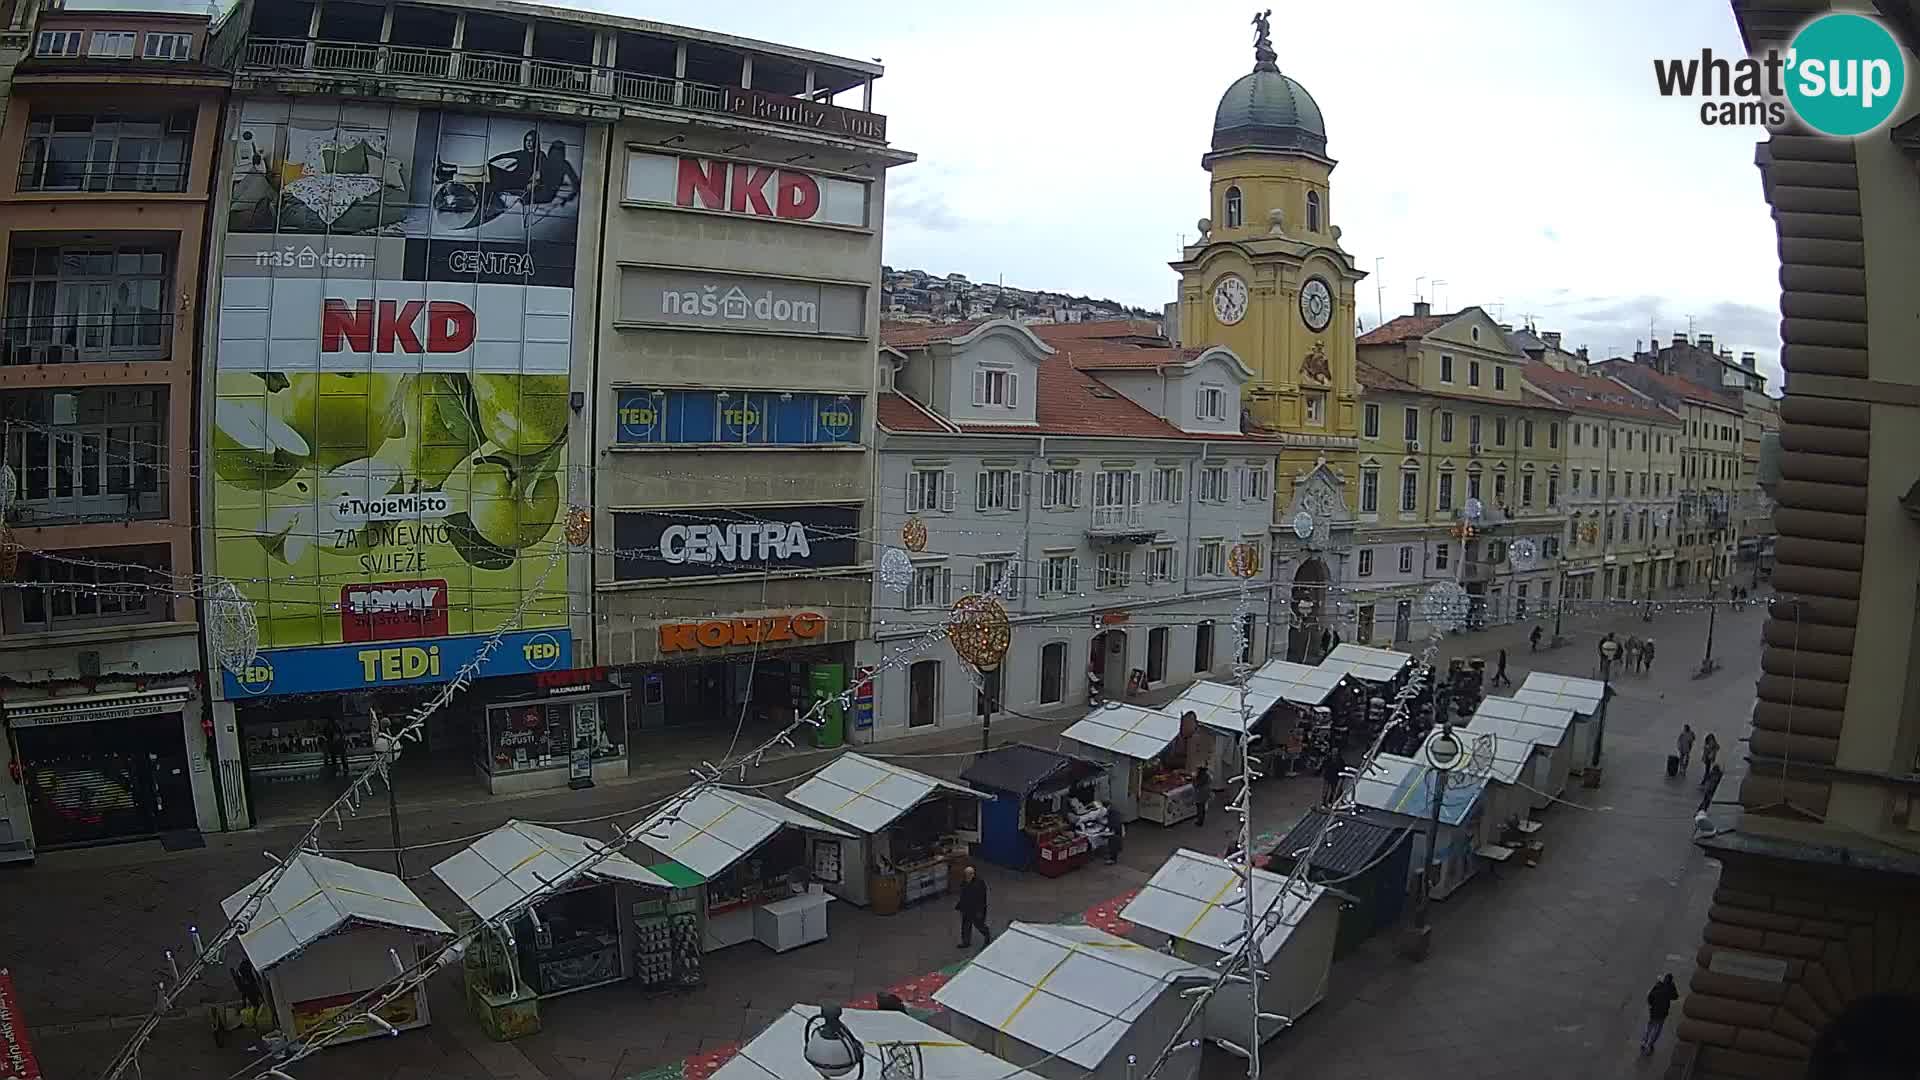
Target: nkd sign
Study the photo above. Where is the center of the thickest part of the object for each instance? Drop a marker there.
(734, 302)
(746, 188)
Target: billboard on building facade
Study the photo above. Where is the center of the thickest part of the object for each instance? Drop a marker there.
(709, 541)
(389, 435)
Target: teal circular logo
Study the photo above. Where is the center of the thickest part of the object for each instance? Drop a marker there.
(1845, 74)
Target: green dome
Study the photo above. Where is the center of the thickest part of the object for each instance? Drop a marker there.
(1265, 110)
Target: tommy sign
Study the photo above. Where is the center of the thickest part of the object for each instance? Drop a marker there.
(708, 542)
(729, 302)
(745, 188)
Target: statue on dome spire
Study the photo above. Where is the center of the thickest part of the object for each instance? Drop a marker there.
(1265, 59)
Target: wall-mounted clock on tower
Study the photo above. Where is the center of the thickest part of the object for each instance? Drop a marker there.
(1230, 300)
(1316, 304)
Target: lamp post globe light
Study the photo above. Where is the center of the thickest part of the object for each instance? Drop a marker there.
(831, 1048)
(1443, 749)
(1443, 752)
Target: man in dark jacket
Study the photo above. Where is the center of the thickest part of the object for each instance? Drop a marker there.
(1336, 764)
(1660, 1001)
(972, 908)
(1202, 793)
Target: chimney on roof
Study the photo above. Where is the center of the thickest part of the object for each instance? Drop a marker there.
(1506, 328)
(1422, 309)
(1582, 351)
(1747, 361)
(1705, 342)
(1552, 338)
(1679, 340)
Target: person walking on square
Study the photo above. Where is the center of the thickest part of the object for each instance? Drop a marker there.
(1712, 784)
(1646, 655)
(1533, 640)
(1331, 773)
(972, 907)
(1116, 835)
(1604, 662)
(1660, 1001)
(1709, 750)
(1202, 794)
(1684, 744)
(1500, 677)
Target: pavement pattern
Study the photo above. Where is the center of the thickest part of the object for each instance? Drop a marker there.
(1541, 971)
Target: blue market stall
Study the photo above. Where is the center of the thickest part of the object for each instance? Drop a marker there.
(1047, 811)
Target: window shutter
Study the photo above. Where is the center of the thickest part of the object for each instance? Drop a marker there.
(1077, 486)
(1016, 489)
(947, 492)
(979, 386)
(913, 492)
(946, 585)
(1013, 579)
(1133, 489)
(980, 490)
(1013, 389)
(1177, 554)
(1073, 574)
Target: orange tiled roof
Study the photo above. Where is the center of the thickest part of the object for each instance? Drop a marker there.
(1661, 384)
(909, 335)
(1101, 355)
(1144, 329)
(1403, 327)
(1592, 393)
(1374, 378)
(900, 413)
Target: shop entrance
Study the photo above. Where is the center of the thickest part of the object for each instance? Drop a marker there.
(1308, 604)
(102, 781)
(300, 751)
(758, 696)
(1107, 665)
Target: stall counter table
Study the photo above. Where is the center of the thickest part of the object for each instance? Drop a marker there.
(793, 922)
(1061, 853)
(1168, 807)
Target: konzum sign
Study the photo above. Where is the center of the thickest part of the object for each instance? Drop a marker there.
(721, 633)
(745, 188)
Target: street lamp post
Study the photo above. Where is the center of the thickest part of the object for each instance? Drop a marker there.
(1443, 753)
(382, 741)
(1608, 651)
(1708, 665)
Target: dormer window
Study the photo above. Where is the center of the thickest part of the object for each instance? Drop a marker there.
(1212, 404)
(996, 386)
(1235, 212)
(1313, 211)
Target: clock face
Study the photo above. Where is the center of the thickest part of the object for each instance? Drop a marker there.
(1316, 304)
(1230, 300)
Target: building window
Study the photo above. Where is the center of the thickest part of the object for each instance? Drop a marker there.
(1446, 489)
(1316, 403)
(1553, 490)
(1499, 377)
(1613, 438)
(1576, 434)
(1213, 484)
(85, 455)
(1473, 483)
(1253, 483)
(1520, 601)
(932, 587)
(1211, 404)
(1473, 373)
(112, 44)
(1369, 491)
(1409, 490)
(1203, 647)
(167, 47)
(1526, 489)
(87, 303)
(1446, 427)
(1553, 436)
(1549, 549)
(1576, 477)
(1499, 431)
(1060, 575)
(1062, 489)
(129, 586)
(1248, 628)
(1366, 562)
(1370, 420)
(1500, 488)
(1116, 497)
(1157, 639)
(1411, 425)
(1593, 484)
(998, 489)
(1169, 484)
(997, 573)
(58, 43)
(1363, 625)
(1053, 672)
(1406, 558)
(1446, 368)
(1235, 213)
(1313, 211)
(1116, 569)
(1162, 564)
(923, 693)
(928, 490)
(1612, 478)
(996, 386)
(1526, 433)
(1473, 431)
(1441, 554)
(1211, 558)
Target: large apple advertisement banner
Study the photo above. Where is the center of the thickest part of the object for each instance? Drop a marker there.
(389, 436)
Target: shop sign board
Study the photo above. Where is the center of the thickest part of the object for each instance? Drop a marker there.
(392, 390)
(826, 119)
(788, 629)
(384, 664)
(710, 541)
(863, 698)
(736, 418)
(17, 1061)
(712, 301)
(745, 188)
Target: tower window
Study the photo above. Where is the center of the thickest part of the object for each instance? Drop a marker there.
(1234, 214)
(1313, 211)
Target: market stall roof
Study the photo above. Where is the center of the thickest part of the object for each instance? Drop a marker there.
(1130, 730)
(1217, 705)
(1069, 991)
(1298, 683)
(1366, 662)
(1024, 769)
(868, 794)
(1192, 897)
(1403, 786)
(316, 896)
(1513, 746)
(779, 1051)
(1562, 691)
(718, 828)
(1350, 846)
(1548, 724)
(519, 859)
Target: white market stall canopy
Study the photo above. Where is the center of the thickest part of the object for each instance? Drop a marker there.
(316, 896)
(1545, 725)
(1193, 897)
(778, 1052)
(521, 859)
(1366, 662)
(1069, 991)
(1562, 691)
(1403, 786)
(1297, 683)
(869, 795)
(1217, 705)
(1128, 730)
(719, 828)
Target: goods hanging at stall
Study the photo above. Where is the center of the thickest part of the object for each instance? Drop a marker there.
(1072, 1001)
(889, 1045)
(1193, 904)
(1582, 696)
(1048, 809)
(1305, 728)
(1365, 861)
(1549, 727)
(579, 935)
(328, 932)
(1398, 792)
(1147, 751)
(755, 858)
(1217, 708)
(908, 829)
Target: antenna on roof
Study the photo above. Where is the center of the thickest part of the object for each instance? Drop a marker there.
(1416, 287)
(1379, 293)
(1437, 302)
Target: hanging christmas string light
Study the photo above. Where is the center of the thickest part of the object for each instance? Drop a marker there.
(914, 534)
(980, 632)
(233, 629)
(1522, 554)
(579, 530)
(896, 570)
(1243, 560)
(1444, 604)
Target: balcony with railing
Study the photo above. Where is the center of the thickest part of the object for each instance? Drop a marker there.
(86, 300)
(1122, 523)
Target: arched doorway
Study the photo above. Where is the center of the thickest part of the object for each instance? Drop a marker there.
(1307, 604)
(1873, 1039)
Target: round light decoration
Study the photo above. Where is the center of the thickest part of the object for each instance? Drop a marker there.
(896, 570)
(980, 632)
(1243, 560)
(579, 530)
(1472, 510)
(1443, 750)
(913, 535)
(1303, 525)
(1444, 604)
(233, 630)
(1522, 553)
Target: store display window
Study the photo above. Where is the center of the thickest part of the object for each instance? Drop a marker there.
(541, 734)
(766, 875)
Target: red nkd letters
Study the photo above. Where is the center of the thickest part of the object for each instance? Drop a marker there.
(738, 188)
(388, 326)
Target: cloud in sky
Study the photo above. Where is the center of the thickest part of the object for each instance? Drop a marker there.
(1516, 150)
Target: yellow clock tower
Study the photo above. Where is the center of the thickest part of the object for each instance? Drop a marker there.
(1268, 277)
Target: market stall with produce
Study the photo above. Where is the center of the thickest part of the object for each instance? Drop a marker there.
(1193, 906)
(1146, 750)
(1070, 1002)
(760, 866)
(1048, 809)
(910, 830)
(327, 933)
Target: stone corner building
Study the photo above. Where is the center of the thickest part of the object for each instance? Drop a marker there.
(1810, 959)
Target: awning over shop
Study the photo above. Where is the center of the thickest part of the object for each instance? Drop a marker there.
(1069, 991)
(1366, 662)
(80, 708)
(1193, 897)
(779, 1051)
(1128, 730)
(316, 896)
(868, 795)
(1024, 769)
(1562, 691)
(1217, 705)
(718, 828)
(1404, 786)
(1298, 683)
(520, 859)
